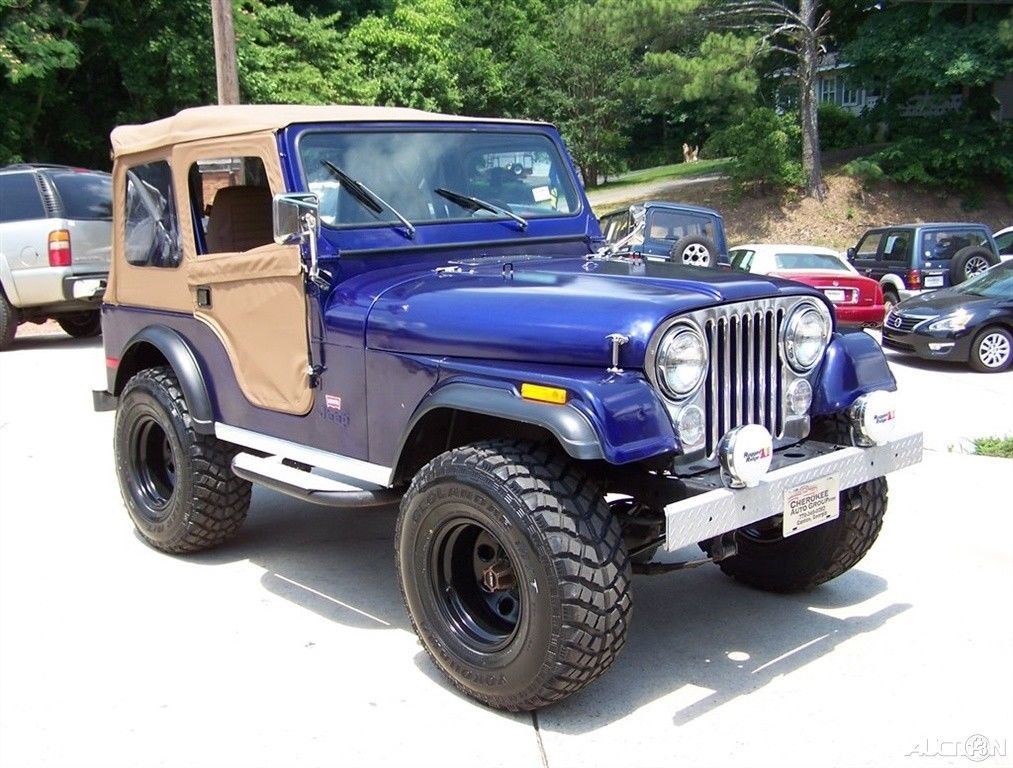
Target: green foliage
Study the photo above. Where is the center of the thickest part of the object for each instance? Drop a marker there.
(764, 148)
(865, 169)
(840, 129)
(407, 55)
(994, 446)
(287, 58)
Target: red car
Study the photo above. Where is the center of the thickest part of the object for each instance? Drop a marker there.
(857, 300)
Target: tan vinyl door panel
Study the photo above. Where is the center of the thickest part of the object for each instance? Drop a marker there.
(258, 310)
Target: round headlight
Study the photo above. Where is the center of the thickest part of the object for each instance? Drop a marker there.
(806, 334)
(682, 360)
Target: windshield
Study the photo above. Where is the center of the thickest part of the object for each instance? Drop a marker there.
(996, 283)
(522, 173)
(810, 261)
(674, 225)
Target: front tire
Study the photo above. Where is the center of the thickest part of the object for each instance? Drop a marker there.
(768, 561)
(178, 485)
(8, 322)
(81, 325)
(514, 573)
(992, 350)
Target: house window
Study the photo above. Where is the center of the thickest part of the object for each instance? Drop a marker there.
(850, 95)
(828, 90)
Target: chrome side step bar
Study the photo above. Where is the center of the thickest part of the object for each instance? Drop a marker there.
(316, 489)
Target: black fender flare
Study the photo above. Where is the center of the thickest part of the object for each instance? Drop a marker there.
(181, 358)
(574, 431)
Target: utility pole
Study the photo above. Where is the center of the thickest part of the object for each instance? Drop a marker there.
(225, 52)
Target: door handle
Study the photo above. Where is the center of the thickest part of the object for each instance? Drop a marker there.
(204, 296)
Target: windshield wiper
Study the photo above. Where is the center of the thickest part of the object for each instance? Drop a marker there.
(473, 204)
(367, 197)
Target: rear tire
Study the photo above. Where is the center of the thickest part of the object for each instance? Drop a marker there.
(992, 350)
(178, 485)
(8, 322)
(81, 325)
(768, 561)
(514, 573)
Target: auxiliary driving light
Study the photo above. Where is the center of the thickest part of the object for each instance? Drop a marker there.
(800, 397)
(690, 426)
(873, 417)
(745, 453)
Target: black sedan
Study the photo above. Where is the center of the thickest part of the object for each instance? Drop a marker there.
(972, 322)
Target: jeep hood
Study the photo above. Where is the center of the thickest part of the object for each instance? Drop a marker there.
(549, 310)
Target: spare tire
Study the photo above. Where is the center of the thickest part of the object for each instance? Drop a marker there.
(694, 251)
(970, 261)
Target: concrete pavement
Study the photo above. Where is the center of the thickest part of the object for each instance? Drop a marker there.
(289, 646)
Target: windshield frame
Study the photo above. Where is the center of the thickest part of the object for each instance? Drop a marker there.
(547, 132)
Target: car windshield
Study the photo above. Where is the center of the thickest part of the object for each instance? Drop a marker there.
(674, 225)
(996, 283)
(810, 261)
(519, 172)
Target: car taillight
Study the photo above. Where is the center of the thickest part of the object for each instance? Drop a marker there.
(914, 279)
(59, 248)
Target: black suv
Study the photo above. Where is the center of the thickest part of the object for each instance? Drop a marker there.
(912, 258)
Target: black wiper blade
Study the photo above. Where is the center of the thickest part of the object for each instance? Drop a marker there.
(473, 204)
(367, 197)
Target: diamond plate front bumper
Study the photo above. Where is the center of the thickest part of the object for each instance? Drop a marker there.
(717, 510)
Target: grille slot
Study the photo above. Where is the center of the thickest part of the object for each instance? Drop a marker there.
(745, 380)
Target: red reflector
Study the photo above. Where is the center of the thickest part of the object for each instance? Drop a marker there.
(59, 248)
(914, 279)
(112, 362)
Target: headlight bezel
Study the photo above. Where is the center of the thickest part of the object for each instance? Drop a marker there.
(955, 321)
(660, 381)
(788, 345)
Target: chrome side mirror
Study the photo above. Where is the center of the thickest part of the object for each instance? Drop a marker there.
(296, 220)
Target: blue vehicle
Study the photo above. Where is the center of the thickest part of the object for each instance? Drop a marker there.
(360, 306)
(676, 232)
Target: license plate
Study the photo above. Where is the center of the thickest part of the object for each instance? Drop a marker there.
(836, 296)
(810, 504)
(934, 281)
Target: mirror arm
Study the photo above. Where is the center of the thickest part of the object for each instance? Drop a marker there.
(310, 234)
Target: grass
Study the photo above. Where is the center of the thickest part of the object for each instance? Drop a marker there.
(994, 446)
(666, 172)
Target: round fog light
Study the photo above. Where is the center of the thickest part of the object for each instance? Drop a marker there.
(800, 397)
(873, 417)
(690, 426)
(745, 453)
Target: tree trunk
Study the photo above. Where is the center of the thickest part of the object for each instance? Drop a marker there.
(808, 61)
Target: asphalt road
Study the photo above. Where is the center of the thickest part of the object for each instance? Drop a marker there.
(290, 647)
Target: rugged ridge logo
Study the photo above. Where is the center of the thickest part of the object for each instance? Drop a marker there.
(762, 453)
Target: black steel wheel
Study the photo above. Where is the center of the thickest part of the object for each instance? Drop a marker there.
(81, 325)
(177, 485)
(514, 572)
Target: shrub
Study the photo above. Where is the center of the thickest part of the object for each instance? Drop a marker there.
(764, 148)
(865, 169)
(840, 129)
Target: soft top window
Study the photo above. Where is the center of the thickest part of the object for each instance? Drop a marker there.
(520, 172)
(809, 261)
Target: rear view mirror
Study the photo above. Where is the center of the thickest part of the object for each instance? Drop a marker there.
(296, 215)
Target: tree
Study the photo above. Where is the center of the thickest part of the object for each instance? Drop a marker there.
(800, 35)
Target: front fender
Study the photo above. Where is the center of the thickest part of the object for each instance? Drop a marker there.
(853, 365)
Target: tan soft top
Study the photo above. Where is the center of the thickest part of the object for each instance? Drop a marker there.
(209, 122)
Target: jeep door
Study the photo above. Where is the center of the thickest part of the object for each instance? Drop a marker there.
(248, 289)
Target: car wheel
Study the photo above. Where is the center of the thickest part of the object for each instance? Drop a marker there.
(694, 251)
(8, 322)
(767, 560)
(970, 261)
(992, 350)
(178, 485)
(514, 573)
(890, 300)
(81, 325)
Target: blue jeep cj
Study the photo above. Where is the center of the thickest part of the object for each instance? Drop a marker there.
(358, 305)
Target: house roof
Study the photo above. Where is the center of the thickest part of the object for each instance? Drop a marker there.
(209, 122)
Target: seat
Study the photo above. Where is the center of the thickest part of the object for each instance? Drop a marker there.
(240, 219)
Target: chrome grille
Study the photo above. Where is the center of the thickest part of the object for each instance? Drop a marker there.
(904, 323)
(745, 382)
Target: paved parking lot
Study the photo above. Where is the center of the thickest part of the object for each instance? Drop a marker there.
(290, 646)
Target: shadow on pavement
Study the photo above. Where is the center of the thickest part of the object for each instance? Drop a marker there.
(58, 340)
(696, 628)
